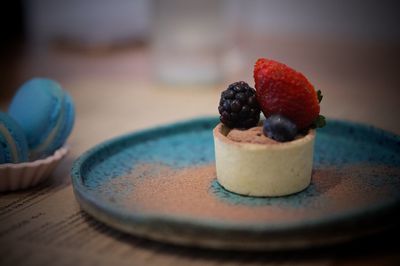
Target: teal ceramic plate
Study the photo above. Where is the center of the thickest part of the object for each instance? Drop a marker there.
(160, 184)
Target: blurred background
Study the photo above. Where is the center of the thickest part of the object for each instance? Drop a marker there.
(131, 64)
(149, 50)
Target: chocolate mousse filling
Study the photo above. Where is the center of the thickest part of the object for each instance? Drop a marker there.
(253, 135)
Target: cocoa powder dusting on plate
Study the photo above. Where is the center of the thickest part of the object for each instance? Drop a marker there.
(193, 192)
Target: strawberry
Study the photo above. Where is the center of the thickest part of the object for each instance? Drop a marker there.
(282, 90)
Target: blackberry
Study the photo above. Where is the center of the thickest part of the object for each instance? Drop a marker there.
(238, 106)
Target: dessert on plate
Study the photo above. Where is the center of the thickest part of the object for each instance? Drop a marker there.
(274, 156)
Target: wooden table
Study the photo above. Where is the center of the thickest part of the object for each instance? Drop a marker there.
(116, 93)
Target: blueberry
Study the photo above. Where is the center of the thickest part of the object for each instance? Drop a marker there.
(279, 128)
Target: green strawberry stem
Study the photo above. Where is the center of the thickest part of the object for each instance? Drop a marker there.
(319, 122)
(319, 95)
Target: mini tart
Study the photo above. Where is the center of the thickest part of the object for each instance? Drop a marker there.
(252, 169)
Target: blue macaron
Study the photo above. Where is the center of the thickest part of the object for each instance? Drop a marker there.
(46, 113)
(13, 143)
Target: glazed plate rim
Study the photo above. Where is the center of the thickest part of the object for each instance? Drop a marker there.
(116, 218)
